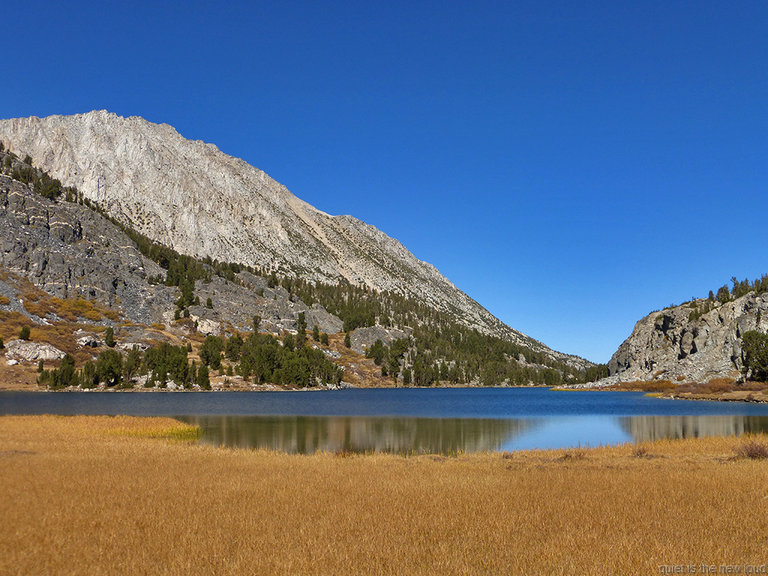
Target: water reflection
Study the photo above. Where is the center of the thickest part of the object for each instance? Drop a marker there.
(646, 428)
(308, 434)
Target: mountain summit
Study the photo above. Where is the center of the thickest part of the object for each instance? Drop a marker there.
(192, 197)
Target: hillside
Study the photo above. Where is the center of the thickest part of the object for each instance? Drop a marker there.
(71, 273)
(696, 341)
(203, 203)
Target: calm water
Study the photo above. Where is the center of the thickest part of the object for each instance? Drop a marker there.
(406, 420)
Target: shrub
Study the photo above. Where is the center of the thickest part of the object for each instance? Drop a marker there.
(752, 450)
(640, 451)
(109, 337)
(24, 333)
(577, 453)
(2, 344)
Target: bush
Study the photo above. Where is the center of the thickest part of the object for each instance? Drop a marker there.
(2, 344)
(640, 451)
(751, 450)
(109, 337)
(24, 333)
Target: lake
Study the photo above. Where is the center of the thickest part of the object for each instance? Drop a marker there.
(441, 420)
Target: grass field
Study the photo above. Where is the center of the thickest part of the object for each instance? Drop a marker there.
(103, 495)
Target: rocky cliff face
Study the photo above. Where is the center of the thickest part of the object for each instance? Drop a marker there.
(673, 344)
(71, 252)
(190, 196)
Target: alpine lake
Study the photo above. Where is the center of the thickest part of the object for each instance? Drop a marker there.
(405, 421)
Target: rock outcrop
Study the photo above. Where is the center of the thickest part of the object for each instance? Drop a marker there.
(31, 351)
(190, 196)
(70, 251)
(677, 345)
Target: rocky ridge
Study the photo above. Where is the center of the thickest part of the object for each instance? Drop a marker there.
(190, 196)
(674, 344)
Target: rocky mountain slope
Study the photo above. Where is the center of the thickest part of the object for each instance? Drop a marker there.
(690, 342)
(71, 251)
(190, 196)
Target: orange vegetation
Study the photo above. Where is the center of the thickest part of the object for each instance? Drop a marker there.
(100, 495)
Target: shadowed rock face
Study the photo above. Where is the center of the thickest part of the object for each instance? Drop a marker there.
(70, 251)
(189, 195)
(668, 344)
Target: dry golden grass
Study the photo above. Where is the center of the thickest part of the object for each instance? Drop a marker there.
(58, 334)
(94, 495)
(40, 303)
(647, 386)
(359, 371)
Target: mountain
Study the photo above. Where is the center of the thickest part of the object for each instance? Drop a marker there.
(190, 196)
(696, 341)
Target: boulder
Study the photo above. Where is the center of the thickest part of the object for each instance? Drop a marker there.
(24, 350)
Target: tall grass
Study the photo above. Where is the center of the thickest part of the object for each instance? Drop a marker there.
(101, 495)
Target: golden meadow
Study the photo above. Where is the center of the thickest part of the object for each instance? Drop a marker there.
(123, 495)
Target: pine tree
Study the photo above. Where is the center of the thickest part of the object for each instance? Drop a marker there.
(203, 380)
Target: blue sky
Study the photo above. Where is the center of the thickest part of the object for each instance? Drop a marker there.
(570, 165)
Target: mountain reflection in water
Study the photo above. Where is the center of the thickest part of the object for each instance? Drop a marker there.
(405, 435)
(648, 428)
(308, 434)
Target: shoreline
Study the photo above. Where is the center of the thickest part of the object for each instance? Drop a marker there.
(730, 393)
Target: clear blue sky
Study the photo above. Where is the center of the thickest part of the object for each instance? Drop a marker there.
(570, 165)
